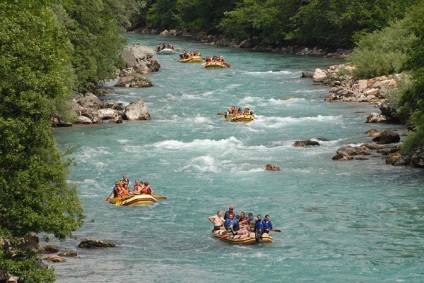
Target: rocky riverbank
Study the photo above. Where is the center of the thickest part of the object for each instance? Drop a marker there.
(253, 44)
(344, 88)
(88, 108)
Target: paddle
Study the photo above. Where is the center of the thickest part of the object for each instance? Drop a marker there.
(159, 197)
(224, 237)
(221, 113)
(275, 230)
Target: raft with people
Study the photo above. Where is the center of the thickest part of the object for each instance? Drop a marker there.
(190, 57)
(132, 200)
(141, 195)
(249, 239)
(241, 229)
(235, 114)
(163, 48)
(215, 65)
(215, 62)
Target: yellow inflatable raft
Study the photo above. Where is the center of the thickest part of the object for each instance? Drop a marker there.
(132, 200)
(191, 59)
(216, 64)
(241, 240)
(240, 118)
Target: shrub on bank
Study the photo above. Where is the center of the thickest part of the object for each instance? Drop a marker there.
(381, 52)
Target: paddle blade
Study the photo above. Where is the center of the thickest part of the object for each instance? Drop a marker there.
(275, 230)
(221, 113)
(224, 237)
(107, 199)
(159, 197)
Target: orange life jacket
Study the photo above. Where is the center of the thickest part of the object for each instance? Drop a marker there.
(145, 190)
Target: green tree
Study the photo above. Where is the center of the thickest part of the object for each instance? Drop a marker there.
(35, 76)
(334, 23)
(202, 15)
(412, 100)
(97, 39)
(267, 20)
(162, 14)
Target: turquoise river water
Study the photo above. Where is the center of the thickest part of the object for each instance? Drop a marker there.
(354, 221)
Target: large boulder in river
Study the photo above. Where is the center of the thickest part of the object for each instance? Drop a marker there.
(319, 75)
(305, 143)
(386, 136)
(376, 118)
(132, 80)
(137, 110)
(89, 100)
(142, 59)
(348, 152)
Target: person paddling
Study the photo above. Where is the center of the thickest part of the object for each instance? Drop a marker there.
(259, 227)
(267, 224)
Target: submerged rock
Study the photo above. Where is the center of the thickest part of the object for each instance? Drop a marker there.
(54, 258)
(89, 244)
(270, 167)
(68, 253)
(305, 143)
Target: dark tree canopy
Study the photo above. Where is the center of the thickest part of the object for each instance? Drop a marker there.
(48, 50)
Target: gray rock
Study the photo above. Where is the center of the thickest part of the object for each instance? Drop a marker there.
(319, 75)
(48, 248)
(137, 110)
(141, 58)
(83, 120)
(376, 118)
(387, 136)
(68, 253)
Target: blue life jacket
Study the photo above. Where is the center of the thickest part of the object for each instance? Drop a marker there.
(228, 222)
(259, 224)
(267, 224)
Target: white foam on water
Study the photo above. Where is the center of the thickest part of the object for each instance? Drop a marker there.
(200, 120)
(270, 72)
(289, 100)
(123, 141)
(310, 90)
(89, 153)
(233, 86)
(204, 163)
(132, 148)
(278, 122)
(197, 143)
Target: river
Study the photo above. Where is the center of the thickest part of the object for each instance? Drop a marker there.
(353, 221)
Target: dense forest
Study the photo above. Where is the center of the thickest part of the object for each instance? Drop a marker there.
(52, 49)
(330, 23)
